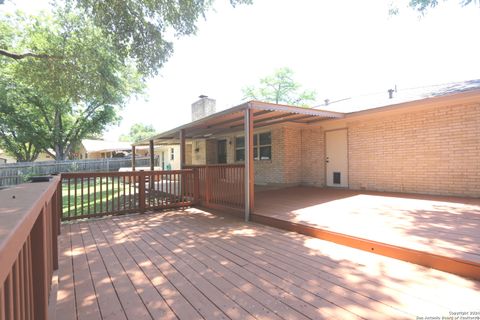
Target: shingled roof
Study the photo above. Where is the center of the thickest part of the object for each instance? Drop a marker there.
(400, 95)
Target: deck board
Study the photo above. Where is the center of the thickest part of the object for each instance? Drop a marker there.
(106, 295)
(85, 294)
(66, 307)
(131, 300)
(274, 268)
(194, 265)
(446, 226)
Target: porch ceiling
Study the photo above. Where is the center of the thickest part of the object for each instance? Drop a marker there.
(231, 120)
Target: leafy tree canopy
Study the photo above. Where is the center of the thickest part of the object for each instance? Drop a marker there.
(75, 92)
(140, 31)
(15, 116)
(280, 88)
(138, 132)
(423, 5)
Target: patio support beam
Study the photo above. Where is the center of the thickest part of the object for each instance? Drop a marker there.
(152, 155)
(249, 170)
(279, 119)
(133, 158)
(182, 148)
(230, 121)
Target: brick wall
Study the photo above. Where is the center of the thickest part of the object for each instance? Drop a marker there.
(271, 171)
(211, 151)
(435, 152)
(292, 161)
(199, 154)
(313, 157)
(188, 154)
(297, 158)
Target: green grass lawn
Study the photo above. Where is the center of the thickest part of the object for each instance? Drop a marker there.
(97, 196)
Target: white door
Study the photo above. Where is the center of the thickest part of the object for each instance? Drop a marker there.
(336, 158)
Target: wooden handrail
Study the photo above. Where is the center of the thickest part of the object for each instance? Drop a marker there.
(94, 194)
(221, 185)
(230, 165)
(118, 174)
(29, 226)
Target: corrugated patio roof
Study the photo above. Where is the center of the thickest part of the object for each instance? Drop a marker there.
(231, 120)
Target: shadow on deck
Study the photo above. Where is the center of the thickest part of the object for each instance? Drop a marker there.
(192, 265)
(438, 232)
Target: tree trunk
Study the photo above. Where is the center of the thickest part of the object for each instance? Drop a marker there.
(59, 146)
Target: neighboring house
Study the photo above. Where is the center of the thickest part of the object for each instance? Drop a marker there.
(99, 149)
(43, 156)
(168, 155)
(423, 140)
(5, 158)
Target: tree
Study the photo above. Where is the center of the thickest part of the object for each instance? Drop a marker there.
(138, 29)
(423, 5)
(15, 116)
(280, 88)
(62, 99)
(138, 132)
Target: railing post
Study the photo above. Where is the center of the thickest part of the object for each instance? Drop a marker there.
(133, 158)
(196, 186)
(60, 203)
(207, 186)
(141, 191)
(39, 265)
(55, 228)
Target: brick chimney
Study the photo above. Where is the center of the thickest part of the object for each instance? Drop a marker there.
(203, 107)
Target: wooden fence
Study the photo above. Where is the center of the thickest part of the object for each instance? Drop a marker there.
(28, 248)
(221, 185)
(16, 173)
(87, 195)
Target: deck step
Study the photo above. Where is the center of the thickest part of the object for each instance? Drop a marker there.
(461, 267)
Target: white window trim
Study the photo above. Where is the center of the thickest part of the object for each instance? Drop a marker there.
(257, 147)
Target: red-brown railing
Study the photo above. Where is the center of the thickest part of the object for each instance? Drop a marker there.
(29, 226)
(30, 219)
(221, 185)
(87, 195)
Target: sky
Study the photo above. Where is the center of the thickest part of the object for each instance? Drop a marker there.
(338, 48)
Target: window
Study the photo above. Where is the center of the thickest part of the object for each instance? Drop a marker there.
(239, 149)
(172, 154)
(262, 147)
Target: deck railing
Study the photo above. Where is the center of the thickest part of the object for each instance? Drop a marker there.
(221, 185)
(87, 195)
(29, 225)
(31, 213)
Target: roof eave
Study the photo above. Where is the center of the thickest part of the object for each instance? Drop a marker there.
(462, 97)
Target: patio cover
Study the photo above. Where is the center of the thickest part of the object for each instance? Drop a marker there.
(247, 117)
(233, 120)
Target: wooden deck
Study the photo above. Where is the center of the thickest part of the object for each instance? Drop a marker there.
(441, 227)
(194, 265)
